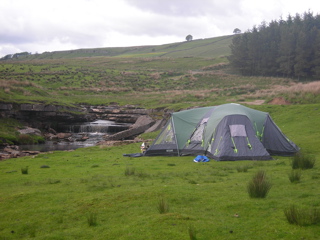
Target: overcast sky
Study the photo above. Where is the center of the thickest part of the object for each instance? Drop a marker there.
(37, 26)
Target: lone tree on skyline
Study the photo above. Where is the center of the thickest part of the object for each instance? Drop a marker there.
(236, 31)
(189, 38)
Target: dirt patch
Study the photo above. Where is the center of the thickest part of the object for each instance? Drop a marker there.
(255, 102)
(279, 101)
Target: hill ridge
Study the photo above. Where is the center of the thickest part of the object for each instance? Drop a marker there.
(209, 47)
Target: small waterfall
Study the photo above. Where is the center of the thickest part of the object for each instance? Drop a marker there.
(83, 135)
(98, 126)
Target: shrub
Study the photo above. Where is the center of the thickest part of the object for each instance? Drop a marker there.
(303, 161)
(302, 216)
(24, 170)
(259, 185)
(295, 176)
(163, 206)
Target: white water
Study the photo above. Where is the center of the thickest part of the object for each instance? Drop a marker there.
(92, 131)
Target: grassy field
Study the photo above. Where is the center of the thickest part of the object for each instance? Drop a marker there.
(96, 193)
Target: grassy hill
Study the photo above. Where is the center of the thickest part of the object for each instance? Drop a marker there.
(210, 47)
(172, 76)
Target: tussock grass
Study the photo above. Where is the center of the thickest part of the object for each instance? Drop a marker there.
(129, 171)
(53, 181)
(295, 176)
(302, 160)
(192, 233)
(92, 219)
(259, 186)
(302, 216)
(243, 168)
(163, 206)
(25, 170)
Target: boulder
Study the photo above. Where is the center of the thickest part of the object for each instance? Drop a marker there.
(141, 125)
(30, 131)
(64, 135)
(157, 126)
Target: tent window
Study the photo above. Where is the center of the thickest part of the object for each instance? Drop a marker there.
(238, 130)
(198, 134)
(167, 136)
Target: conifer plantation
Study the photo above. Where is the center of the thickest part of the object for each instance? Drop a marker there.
(283, 48)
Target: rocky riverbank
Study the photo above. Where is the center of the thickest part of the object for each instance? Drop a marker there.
(43, 116)
(13, 151)
(46, 120)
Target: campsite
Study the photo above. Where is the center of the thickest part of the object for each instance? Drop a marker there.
(97, 193)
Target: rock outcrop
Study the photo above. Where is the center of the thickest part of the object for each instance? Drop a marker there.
(140, 126)
(44, 116)
(14, 152)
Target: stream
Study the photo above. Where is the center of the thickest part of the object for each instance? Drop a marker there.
(82, 135)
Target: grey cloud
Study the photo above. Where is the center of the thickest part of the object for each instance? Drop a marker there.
(187, 7)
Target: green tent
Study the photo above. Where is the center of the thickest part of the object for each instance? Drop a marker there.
(224, 132)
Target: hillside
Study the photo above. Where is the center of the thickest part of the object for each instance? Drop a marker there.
(210, 47)
(175, 76)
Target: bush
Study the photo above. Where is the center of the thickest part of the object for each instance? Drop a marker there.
(302, 216)
(295, 176)
(303, 161)
(259, 186)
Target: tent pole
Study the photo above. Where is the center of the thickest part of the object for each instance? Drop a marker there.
(175, 135)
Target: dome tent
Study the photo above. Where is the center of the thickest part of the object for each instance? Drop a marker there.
(225, 132)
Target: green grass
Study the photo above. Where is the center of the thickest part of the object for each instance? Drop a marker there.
(209, 47)
(67, 199)
(94, 193)
(8, 130)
